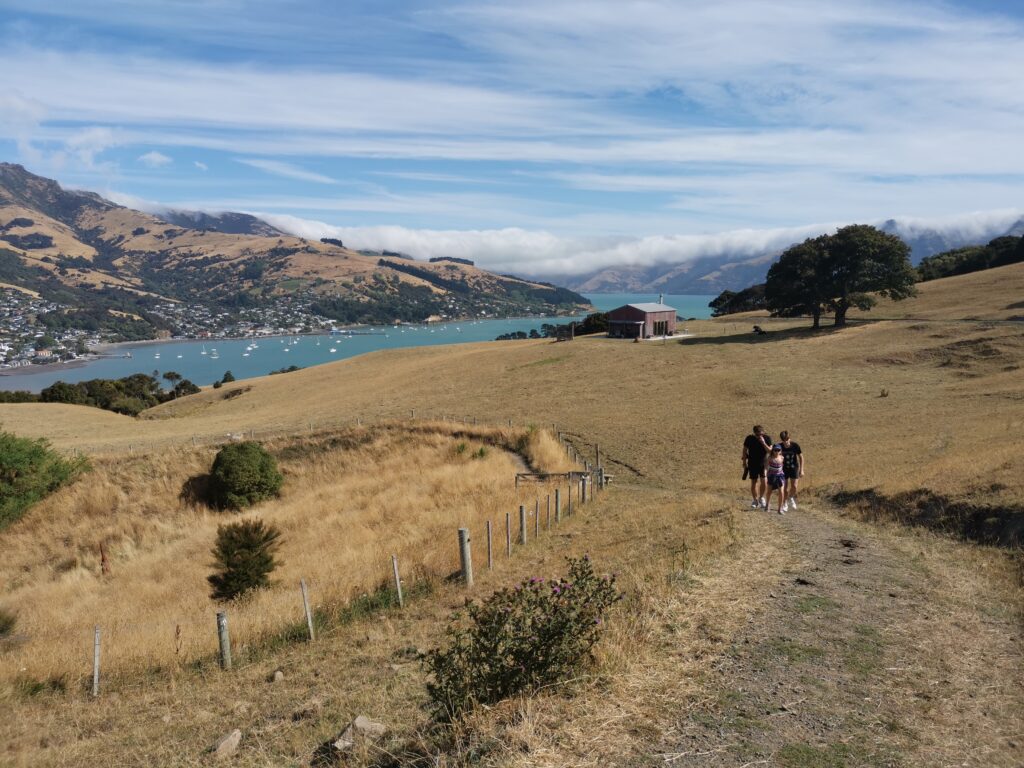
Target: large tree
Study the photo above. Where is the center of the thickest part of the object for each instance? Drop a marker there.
(864, 260)
(840, 271)
(797, 282)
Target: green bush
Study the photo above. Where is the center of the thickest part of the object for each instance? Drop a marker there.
(519, 640)
(29, 471)
(244, 558)
(243, 474)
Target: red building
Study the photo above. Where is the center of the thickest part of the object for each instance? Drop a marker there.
(641, 321)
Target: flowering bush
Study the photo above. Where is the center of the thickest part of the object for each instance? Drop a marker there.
(519, 640)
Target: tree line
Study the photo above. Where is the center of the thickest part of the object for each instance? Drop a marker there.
(129, 395)
(834, 273)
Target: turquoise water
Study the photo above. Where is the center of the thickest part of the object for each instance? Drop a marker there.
(275, 352)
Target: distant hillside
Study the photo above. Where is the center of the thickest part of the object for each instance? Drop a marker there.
(96, 254)
(714, 274)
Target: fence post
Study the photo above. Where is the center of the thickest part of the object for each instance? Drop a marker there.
(465, 557)
(508, 534)
(583, 490)
(536, 519)
(224, 640)
(522, 524)
(558, 505)
(96, 662)
(490, 550)
(305, 607)
(548, 519)
(398, 581)
(412, 413)
(568, 505)
(597, 455)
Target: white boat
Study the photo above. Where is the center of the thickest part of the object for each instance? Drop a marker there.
(157, 356)
(179, 357)
(245, 354)
(334, 349)
(204, 350)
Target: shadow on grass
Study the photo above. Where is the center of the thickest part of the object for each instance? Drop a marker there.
(1000, 525)
(769, 337)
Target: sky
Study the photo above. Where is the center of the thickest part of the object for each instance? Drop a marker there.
(538, 136)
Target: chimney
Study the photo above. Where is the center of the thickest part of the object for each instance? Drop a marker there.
(661, 298)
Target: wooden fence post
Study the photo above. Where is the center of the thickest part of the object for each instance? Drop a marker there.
(398, 581)
(558, 505)
(568, 505)
(465, 557)
(597, 455)
(96, 662)
(549, 512)
(508, 534)
(490, 550)
(224, 639)
(536, 519)
(522, 524)
(583, 490)
(305, 607)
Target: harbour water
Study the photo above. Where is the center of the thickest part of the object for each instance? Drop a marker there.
(205, 361)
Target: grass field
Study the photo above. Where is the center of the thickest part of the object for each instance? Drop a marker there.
(929, 400)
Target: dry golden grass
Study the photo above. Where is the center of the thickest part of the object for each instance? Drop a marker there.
(350, 500)
(669, 419)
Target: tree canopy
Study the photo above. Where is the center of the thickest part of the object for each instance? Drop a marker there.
(840, 271)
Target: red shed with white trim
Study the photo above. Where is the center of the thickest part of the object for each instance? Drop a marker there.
(642, 321)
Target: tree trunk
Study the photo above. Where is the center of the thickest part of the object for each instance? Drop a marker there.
(841, 315)
(816, 314)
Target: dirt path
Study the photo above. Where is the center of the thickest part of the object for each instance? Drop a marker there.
(869, 650)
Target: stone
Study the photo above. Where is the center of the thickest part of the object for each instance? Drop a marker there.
(360, 728)
(227, 745)
(277, 677)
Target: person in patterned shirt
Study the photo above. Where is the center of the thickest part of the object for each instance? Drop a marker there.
(792, 466)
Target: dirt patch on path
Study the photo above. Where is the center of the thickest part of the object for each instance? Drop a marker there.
(869, 650)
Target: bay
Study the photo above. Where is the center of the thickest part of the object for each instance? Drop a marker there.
(205, 361)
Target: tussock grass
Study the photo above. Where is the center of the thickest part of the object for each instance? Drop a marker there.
(349, 501)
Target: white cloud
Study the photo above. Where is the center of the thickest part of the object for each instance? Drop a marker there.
(289, 171)
(201, 166)
(154, 159)
(540, 253)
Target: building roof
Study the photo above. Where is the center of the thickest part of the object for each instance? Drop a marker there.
(652, 307)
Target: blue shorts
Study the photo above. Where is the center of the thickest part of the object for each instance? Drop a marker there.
(776, 481)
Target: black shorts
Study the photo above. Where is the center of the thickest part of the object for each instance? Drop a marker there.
(791, 474)
(755, 470)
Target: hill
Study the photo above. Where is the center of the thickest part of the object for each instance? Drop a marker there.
(191, 272)
(809, 639)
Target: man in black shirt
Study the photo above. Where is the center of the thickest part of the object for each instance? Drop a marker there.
(755, 449)
(792, 467)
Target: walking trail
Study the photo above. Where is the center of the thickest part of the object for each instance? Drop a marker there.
(863, 648)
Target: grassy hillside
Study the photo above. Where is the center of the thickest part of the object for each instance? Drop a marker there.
(908, 643)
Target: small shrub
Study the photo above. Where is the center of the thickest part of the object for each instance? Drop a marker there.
(460, 448)
(244, 557)
(243, 474)
(29, 471)
(519, 640)
(217, 385)
(480, 453)
(227, 378)
(7, 621)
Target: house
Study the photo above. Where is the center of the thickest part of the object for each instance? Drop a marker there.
(641, 321)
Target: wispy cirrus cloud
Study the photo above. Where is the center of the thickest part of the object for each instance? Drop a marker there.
(287, 170)
(154, 159)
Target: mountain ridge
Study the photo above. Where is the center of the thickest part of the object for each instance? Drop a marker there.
(92, 251)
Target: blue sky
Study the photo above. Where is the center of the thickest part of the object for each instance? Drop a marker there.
(537, 135)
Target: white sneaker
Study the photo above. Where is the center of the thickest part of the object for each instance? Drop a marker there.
(792, 503)
(764, 504)
(782, 510)
(755, 504)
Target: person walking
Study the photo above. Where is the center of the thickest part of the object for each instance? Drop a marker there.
(792, 467)
(756, 447)
(776, 478)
